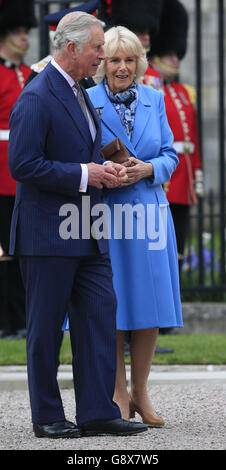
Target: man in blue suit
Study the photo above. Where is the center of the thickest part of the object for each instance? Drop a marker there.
(54, 154)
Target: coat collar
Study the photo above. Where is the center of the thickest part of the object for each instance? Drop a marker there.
(63, 92)
(110, 117)
(142, 116)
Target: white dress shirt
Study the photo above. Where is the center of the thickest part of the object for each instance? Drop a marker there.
(92, 127)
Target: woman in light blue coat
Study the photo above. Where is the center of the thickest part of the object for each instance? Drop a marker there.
(142, 239)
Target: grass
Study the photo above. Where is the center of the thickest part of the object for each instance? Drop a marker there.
(192, 349)
(188, 349)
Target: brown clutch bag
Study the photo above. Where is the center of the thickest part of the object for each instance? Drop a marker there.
(115, 151)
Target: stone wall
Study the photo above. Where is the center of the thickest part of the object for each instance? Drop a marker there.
(203, 318)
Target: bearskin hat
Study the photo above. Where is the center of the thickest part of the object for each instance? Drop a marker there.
(16, 13)
(173, 31)
(140, 16)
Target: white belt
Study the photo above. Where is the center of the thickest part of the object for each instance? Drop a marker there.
(184, 147)
(4, 134)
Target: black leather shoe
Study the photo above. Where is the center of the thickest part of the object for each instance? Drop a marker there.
(119, 427)
(64, 429)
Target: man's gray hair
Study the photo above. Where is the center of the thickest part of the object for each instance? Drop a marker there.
(74, 27)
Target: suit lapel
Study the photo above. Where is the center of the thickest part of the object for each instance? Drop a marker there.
(96, 119)
(91, 108)
(63, 92)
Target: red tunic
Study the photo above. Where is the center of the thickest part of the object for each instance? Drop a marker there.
(11, 84)
(181, 116)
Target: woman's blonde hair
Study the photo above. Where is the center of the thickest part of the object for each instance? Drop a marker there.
(121, 37)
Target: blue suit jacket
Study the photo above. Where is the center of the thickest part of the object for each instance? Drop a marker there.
(49, 138)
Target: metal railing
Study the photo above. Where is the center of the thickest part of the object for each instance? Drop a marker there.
(204, 234)
(200, 215)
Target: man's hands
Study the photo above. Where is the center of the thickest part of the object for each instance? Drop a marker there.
(136, 170)
(110, 175)
(113, 174)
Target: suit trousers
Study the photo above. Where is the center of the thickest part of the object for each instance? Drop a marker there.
(81, 286)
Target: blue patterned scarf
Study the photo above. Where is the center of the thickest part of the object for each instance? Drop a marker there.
(125, 104)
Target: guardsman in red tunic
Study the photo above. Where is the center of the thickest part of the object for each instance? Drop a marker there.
(166, 52)
(16, 17)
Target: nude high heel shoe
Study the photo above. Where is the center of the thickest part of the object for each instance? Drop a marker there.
(151, 419)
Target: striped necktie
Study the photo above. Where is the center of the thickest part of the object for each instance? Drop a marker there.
(81, 100)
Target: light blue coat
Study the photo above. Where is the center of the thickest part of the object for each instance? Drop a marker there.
(143, 245)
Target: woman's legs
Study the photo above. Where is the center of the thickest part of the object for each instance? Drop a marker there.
(142, 349)
(121, 396)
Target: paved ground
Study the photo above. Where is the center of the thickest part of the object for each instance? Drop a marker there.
(191, 400)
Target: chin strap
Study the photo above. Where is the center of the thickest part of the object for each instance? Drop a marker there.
(164, 66)
(15, 48)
